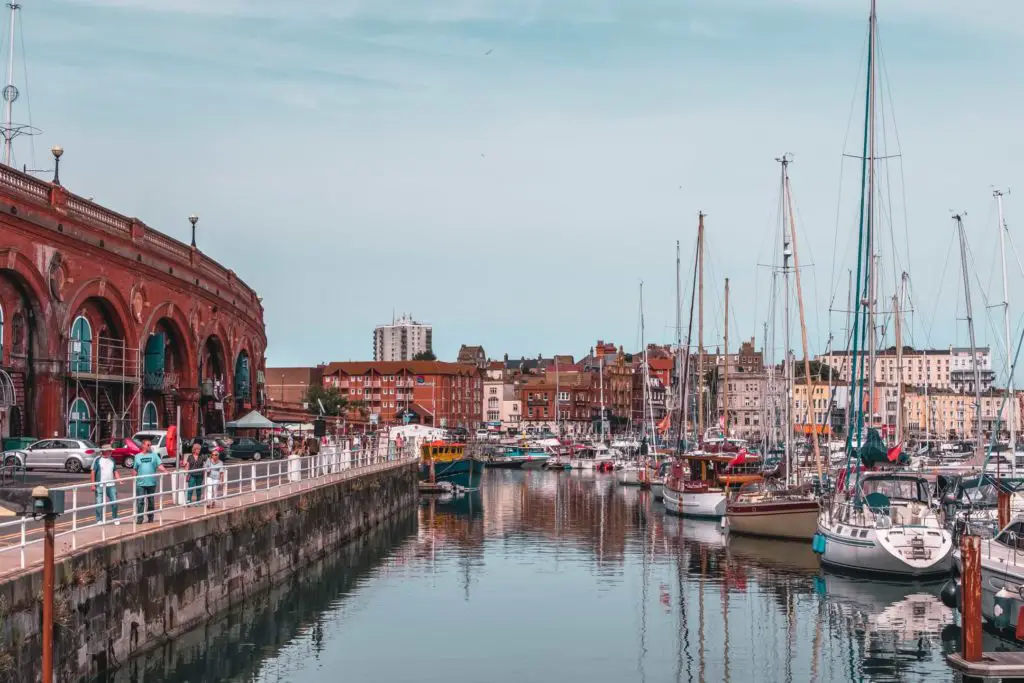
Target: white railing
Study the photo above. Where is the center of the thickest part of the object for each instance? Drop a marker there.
(177, 499)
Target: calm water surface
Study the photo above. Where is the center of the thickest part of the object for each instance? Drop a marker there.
(544, 576)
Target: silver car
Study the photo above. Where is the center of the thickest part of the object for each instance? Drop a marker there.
(72, 455)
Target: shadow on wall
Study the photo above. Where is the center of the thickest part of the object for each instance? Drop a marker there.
(235, 645)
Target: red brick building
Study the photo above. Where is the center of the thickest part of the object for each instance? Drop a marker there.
(431, 392)
(107, 325)
(570, 400)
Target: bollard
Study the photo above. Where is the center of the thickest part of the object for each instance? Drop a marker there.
(1004, 509)
(970, 552)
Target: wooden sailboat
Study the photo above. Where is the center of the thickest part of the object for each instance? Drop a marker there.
(767, 507)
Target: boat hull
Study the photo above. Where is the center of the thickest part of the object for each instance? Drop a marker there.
(464, 472)
(658, 491)
(789, 519)
(702, 505)
(882, 551)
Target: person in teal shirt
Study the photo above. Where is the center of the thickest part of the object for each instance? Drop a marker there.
(147, 464)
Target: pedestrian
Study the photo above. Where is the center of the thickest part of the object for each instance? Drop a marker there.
(194, 465)
(147, 464)
(214, 474)
(105, 477)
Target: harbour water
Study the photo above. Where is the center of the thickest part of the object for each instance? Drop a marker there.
(545, 576)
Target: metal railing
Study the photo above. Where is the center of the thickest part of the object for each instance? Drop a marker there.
(176, 499)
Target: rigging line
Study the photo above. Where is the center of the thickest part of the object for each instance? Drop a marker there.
(28, 90)
(985, 303)
(930, 325)
(842, 165)
(899, 148)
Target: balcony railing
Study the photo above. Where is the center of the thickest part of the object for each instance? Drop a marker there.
(160, 381)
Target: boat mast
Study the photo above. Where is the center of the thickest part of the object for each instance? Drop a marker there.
(803, 320)
(872, 253)
(600, 377)
(1012, 402)
(787, 364)
(725, 368)
(970, 328)
(897, 323)
(10, 92)
(700, 325)
(679, 343)
(558, 401)
(685, 377)
(645, 394)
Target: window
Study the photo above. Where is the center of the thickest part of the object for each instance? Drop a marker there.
(149, 420)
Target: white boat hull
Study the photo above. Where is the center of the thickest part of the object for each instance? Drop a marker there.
(702, 504)
(658, 491)
(904, 551)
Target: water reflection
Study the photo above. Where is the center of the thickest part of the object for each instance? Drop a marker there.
(543, 576)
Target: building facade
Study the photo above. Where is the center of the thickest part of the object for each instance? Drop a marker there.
(108, 326)
(566, 405)
(402, 340)
(423, 392)
(944, 369)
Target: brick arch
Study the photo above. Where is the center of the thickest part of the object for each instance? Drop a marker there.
(18, 268)
(170, 311)
(103, 290)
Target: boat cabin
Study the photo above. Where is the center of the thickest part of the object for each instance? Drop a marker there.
(442, 451)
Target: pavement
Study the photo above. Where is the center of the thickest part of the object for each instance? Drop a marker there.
(76, 532)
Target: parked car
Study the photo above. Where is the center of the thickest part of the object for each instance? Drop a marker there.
(123, 451)
(245, 448)
(158, 437)
(71, 455)
(207, 444)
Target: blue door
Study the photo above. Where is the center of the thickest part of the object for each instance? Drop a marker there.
(79, 419)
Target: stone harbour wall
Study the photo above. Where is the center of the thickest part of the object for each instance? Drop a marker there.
(119, 600)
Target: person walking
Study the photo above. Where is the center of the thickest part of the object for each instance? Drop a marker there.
(194, 466)
(105, 477)
(214, 476)
(147, 464)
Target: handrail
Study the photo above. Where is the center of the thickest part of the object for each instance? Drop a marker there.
(279, 478)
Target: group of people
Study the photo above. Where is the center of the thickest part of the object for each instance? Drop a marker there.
(200, 471)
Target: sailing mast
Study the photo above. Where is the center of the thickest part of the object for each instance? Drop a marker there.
(685, 377)
(679, 341)
(970, 328)
(872, 252)
(897, 324)
(558, 402)
(725, 368)
(1012, 402)
(700, 325)
(803, 321)
(787, 365)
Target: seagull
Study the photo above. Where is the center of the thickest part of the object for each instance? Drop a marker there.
(489, 52)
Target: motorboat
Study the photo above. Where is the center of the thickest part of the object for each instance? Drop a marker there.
(769, 508)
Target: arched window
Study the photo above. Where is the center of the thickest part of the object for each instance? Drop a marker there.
(81, 345)
(149, 419)
(79, 419)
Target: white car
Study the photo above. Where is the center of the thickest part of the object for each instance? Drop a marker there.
(158, 437)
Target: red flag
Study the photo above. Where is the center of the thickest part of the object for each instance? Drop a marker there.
(894, 452)
(741, 457)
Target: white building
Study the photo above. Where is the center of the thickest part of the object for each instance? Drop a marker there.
(501, 403)
(402, 339)
(945, 369)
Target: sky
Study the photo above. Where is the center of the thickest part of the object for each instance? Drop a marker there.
(511, 170)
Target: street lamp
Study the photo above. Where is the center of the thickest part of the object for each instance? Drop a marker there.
(57, 152)
(193, 219)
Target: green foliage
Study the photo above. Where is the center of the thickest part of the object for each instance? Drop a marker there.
(425, 355)
(334, 402)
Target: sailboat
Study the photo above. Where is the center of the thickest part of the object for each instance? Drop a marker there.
(768, 507)
(635, 472)
(877, 522)
(698, 482)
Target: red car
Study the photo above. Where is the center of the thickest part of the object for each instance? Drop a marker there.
(123, 451)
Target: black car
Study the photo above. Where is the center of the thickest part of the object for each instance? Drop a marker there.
(245, 448)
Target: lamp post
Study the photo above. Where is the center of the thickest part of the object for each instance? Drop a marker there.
(57, 152)
(193, 219)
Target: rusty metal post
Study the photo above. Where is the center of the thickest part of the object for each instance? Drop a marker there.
(48, 600)
(970, 551)
(1004, 509)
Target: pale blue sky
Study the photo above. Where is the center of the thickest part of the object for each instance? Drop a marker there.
(349, 158)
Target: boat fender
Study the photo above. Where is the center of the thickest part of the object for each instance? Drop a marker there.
(1001, 610)
(950, 594)
(818, 544)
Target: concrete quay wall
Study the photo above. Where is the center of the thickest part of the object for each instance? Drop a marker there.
(118, 600)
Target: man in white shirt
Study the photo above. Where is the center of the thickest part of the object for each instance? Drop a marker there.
(105, 476)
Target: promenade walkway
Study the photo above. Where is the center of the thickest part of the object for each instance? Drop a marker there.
(21, 547)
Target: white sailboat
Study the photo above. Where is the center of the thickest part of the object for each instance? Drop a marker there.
(877, 522)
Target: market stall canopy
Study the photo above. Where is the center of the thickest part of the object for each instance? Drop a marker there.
(251, 421)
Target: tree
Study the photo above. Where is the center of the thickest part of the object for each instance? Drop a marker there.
(822, 372)
(425, 355)
(334, 403)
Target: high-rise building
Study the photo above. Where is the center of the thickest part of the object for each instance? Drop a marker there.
(402, 339)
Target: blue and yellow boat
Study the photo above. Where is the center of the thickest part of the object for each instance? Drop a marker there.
(447, 461)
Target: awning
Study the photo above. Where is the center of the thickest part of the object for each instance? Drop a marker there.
(251, 421)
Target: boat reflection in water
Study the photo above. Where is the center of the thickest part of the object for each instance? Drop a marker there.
(567, 576)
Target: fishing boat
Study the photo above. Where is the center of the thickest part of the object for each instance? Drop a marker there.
(448, 461)
(698, 483)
